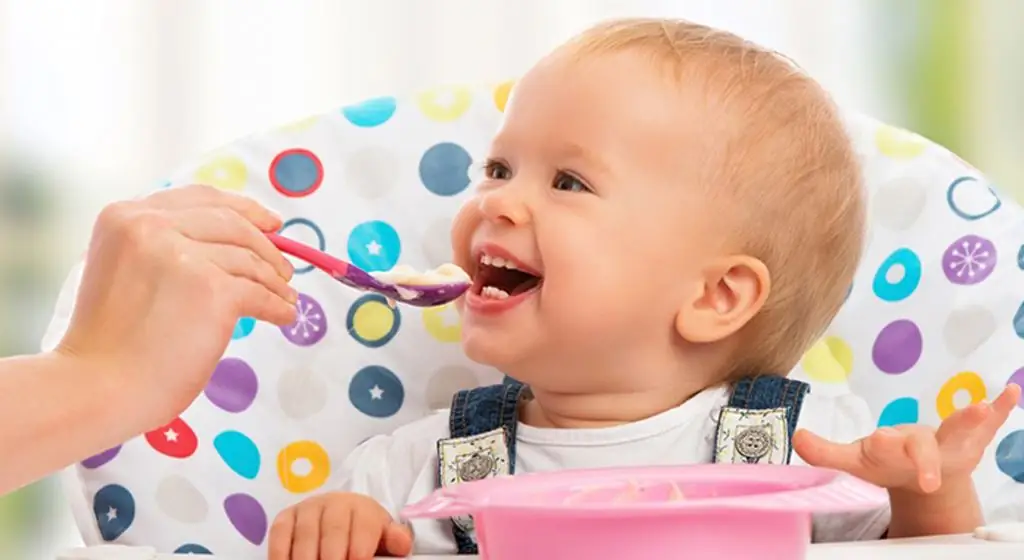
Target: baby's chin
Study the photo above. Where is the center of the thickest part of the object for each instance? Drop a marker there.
(489, 351)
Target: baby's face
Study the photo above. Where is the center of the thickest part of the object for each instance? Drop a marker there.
(588, 229)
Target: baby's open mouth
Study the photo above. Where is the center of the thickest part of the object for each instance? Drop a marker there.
(500, 278)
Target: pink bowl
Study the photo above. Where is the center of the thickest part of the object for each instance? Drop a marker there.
(724, 512)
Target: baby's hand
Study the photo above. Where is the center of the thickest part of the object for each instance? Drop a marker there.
(337, 526)
(915, 457)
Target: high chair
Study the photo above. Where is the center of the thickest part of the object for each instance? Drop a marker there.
(934, 319)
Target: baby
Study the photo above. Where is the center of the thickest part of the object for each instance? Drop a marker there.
(670, 216)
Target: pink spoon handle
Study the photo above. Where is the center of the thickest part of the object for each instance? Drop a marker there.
(335, 267)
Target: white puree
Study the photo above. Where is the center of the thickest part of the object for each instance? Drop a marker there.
(408, 276)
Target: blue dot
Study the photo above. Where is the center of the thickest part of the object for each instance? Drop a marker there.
(1018, 321)
(304, 224)
(1010, 455)
(372, 112)
(114, 508)
(905, 267)
(243, 328)
(374, 246)
(1020, 258)
(376, 392)
(166, 185)
(444, 169)
(239, 453)
(368, 334)
(904, 410)
(192, 549)
(296, 173)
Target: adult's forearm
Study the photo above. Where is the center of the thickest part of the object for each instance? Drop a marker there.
(53, 412)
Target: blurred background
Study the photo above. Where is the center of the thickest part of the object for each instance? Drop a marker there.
(100, 98)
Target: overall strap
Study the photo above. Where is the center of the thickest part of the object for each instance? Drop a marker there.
(758, 423)
(480, 420)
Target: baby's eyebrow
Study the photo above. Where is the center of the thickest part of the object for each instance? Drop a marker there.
(576, 151)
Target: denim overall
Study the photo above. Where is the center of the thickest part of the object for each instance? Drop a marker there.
(487, 409)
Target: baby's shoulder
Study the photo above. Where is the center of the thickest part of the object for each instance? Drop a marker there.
(418, 438)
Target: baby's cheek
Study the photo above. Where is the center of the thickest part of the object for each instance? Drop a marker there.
(463, 225)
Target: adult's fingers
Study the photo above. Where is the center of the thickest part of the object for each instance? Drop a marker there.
(256, 301)
(203, 196)
(335, 530)
(244, 263)
(226, 226)
(280, 546)
(397, 540)
(306, 536)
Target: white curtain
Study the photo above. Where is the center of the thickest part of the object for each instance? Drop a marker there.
(113, 93)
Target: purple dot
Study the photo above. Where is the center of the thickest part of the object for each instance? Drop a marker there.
(898, 347)
(247, 516)
(310, 324)
(969, 260)
(1018, 379)
(233, 385)
(100, 459)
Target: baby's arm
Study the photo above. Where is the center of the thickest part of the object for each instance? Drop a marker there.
(926, 471)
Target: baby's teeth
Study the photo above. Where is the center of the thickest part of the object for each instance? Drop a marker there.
(485, 259)
(492, 292)
(498, 262)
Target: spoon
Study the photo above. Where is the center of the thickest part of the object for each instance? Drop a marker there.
(429, 295)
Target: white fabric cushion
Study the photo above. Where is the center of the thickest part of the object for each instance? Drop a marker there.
(378, 182)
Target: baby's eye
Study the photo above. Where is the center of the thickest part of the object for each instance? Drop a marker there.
(566, 182)
(497, 171)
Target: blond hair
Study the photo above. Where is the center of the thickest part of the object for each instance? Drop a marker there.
(780, 165)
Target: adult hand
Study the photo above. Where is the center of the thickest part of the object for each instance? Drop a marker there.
(166, 279)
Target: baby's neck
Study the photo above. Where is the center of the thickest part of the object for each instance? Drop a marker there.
(598, 410)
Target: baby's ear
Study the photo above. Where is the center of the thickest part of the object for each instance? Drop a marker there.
(731, 291)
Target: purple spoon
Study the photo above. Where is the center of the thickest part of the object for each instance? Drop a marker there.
(430, 295)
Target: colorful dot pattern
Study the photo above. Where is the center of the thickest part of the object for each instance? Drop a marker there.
(933, 321)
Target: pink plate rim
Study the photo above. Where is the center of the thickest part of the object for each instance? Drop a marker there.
(830, 491)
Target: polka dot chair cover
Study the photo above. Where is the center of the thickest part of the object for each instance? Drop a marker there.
(934, 319)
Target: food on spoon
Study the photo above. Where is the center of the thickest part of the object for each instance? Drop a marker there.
(406, 275)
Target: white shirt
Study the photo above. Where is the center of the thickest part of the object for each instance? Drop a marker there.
(402, 468)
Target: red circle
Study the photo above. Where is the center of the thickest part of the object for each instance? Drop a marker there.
(296, 152)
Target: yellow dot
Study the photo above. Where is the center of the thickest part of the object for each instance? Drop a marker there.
(445, 104)
(300, 125)
(501, 94)
(443, 323)
(963, 381)
(303, 466)
(373, 320)
(830, 360)
(228, 173)
(898, 143)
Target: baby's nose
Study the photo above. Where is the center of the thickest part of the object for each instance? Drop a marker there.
(505, 205)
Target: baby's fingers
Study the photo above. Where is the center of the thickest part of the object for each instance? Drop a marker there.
(280, 547)
(397, 540)
(820, 452)
(1005, 403)
(923, 450)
